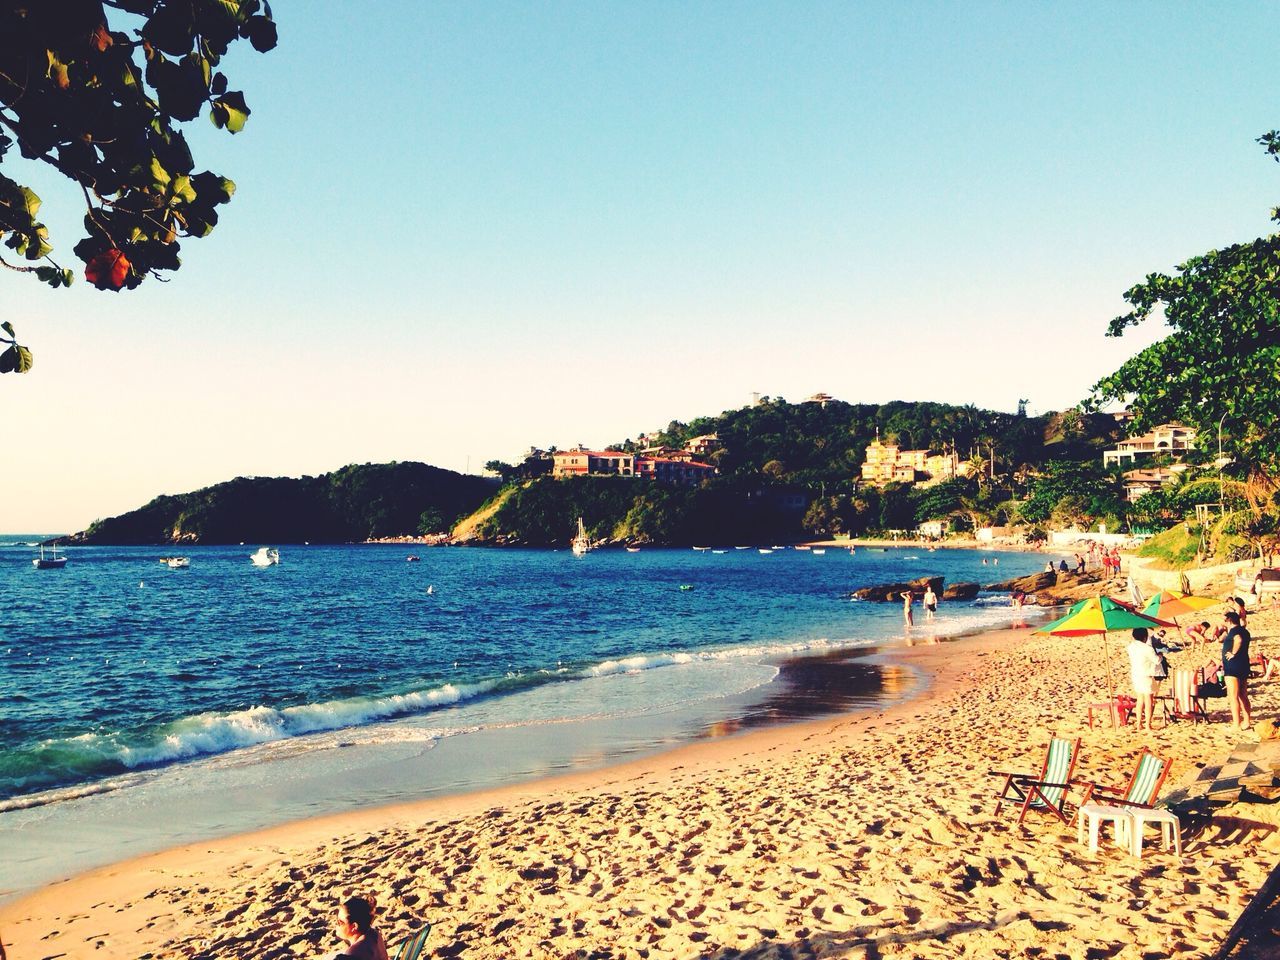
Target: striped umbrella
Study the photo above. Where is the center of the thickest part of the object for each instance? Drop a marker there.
(1172, 604)
(1099, 615)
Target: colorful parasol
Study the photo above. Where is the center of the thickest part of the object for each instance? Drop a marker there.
(1171, 603)
(1096, 615)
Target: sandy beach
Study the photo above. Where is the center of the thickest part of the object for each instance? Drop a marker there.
(866, 835)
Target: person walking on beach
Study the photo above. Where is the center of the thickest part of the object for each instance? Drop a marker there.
(1235, 669)
(906, 608)
(354, 921)
(930, 602)
(1143, 665)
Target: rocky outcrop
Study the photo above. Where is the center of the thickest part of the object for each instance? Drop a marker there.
(894, 591)
(961, 591)
(1047, 589)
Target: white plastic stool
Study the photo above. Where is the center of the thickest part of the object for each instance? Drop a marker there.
(1096, 814)
(1170, 829)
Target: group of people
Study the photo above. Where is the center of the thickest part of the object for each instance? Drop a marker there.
(930, 602)
(1149, 665)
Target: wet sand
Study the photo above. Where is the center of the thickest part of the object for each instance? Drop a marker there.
(861, 835)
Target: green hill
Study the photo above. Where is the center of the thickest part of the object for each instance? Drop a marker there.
(355, 503)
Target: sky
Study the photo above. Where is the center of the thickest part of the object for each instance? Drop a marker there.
(464, 229)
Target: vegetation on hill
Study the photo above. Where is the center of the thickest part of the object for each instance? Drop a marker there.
(355, 503)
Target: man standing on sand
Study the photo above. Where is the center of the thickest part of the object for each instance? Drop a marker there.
(930, 602)
(906, 608)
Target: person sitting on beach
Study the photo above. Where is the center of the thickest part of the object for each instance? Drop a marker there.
(1143, 666)
(1062, 566)
(354, 920)
(1048, 567)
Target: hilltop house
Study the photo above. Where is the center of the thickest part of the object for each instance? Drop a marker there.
(683, 472)
(887, 463)
(1172, 439)
(1138, 483)
(702, 445)
(580, 462)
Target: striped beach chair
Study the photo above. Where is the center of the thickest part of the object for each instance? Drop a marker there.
(1144, 786)
(1047, 792)
(411, 947)
(1182, 702)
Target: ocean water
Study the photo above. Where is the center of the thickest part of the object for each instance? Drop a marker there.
(128, 685)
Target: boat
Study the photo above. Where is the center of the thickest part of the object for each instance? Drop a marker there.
(719, 551)
(801, 546)
(748, 547)
(581, 543)
(265, 557)
(819, 551)
(51, 562)
(685, 587)
(178, 563)
(412, 558)
(764, 551)
(633, 549)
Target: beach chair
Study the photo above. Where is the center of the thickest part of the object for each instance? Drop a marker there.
(1131, 809)
(411, 947)
(1182, 702)
(1048, 791)
(1144, 786)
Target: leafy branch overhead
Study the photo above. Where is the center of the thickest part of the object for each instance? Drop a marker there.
(100, 98)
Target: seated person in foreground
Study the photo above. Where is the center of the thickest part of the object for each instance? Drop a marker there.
(354, 921)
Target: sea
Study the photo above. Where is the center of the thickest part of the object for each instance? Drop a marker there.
(145, 707)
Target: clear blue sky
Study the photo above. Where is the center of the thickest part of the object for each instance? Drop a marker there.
(463, 229)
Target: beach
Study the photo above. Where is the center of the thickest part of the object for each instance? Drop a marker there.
(865, 835)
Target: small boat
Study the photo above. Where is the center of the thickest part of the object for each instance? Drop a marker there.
(178, 563)
(581, 543)
(802, 547)
(819, 551)
(265, 557)
(684, 587)
(701, 548)
(412, 558)
(633, 549)
(777, 547)
(764, 551)
(719, 551)
(742, 548)
(51, 562)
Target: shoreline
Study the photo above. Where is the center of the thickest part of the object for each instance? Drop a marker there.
(871, 833)
(933, 668)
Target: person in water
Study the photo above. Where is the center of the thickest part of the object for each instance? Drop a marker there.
(930, 602)
(354, 921)
(906, 607)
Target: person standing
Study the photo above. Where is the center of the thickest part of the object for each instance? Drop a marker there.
(930, 602)
(1143, 666)
(906, 607)
(1235, 670)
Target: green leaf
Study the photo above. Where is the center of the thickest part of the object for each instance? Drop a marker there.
(15, 360)
(230, 111)
(7, 327)
(159, 175)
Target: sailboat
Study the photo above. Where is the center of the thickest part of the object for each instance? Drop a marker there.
(53, 562)
(581, 543)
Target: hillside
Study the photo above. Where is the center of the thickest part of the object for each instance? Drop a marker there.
(355, 503)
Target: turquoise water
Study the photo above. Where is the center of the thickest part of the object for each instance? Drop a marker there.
(116, 665)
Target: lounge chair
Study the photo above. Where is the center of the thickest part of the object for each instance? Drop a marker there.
(1144, 786)
(1132, 809)
(411, 947)
(1182, 702)
(1048, 791)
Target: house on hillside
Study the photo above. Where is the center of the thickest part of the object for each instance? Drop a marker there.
(703, 445)
(1138, 483)
(581, 462)
(1170, 439)
(888, 463)
(674, 470)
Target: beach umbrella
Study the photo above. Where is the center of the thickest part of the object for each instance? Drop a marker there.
(1099, 615)
(1171, 604)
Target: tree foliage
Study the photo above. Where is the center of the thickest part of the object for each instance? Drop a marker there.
(1221, 363)
(99, 98)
